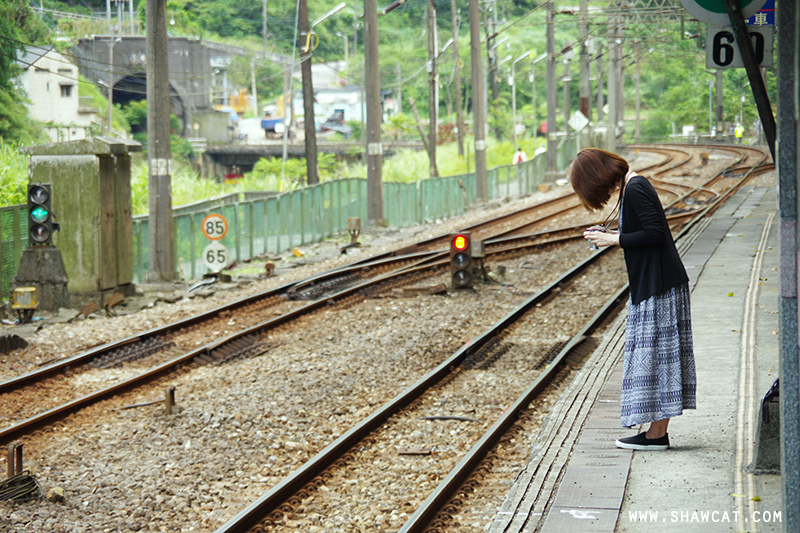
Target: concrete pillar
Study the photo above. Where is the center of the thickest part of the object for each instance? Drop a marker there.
(788, 134)
(91, 182)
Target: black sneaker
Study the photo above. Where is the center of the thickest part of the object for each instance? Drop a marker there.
(642, 443)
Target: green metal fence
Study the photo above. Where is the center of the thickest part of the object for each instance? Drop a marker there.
(268, 223)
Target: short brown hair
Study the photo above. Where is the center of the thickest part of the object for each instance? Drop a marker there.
(594, 175)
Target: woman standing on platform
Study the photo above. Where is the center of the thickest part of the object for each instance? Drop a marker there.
(658, 379)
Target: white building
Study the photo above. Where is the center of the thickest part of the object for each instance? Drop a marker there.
(50, 80)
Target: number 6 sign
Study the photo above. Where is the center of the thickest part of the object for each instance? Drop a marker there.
(722, 50)
(215, 227)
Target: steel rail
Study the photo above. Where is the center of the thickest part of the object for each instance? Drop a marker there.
(426, 513)
(290, 485)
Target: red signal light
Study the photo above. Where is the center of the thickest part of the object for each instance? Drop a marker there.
(460, 242)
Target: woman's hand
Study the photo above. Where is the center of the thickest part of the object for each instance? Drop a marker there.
(600, 237)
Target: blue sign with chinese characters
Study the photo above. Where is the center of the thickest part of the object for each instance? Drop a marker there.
(764, 17)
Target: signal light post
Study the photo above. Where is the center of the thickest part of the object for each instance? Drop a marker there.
(462, 268)
(40, 215)
(41, 281)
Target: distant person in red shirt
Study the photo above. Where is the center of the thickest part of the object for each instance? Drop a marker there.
(520, 156)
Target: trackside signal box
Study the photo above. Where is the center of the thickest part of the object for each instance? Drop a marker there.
(91, 194)
(462, 264)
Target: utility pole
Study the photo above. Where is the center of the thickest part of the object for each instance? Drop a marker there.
(478, 104)
(111, 44)
(584, 84)
(720, 106)
(491, 54)
(162, 259)
(454, 15)
(613, 52)
(433, 91)
(552, 139)
(399, 89)
(567, 100)
(308, 95)
(373, 90)
(253, 90)
(620, 76)
(600, 102)
(638, 131)
(264, 30)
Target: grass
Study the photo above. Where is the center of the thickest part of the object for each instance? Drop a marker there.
(188, 187)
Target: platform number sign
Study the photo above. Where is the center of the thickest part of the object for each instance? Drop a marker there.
(215, 227)
(722, 51)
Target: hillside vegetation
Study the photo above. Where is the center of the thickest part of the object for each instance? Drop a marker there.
(674, 85)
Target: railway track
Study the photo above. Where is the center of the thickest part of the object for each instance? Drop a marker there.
(153, 353)
(414, 266)
(298, 493)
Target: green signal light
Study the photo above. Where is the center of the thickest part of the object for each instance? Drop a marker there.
(39, 214)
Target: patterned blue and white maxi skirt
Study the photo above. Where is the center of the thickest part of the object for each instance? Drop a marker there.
(658, 374)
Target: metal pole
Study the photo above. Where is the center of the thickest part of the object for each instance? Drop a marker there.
(600, 85)
(584, 82)
(552, 138)
(514, 93)
(399, 89)
(753, 75)
(787, 166)
(478, 106)
(457, 72)
(264, 31)
(514, 103)
(637, 133)
(253, 90)
(110, 83)
(373, 88)
(433, 86)
(710, 108)
(613, 48)
(719, 103)
(162, 258)
(533, 104)
(567, 103)
(309, 122)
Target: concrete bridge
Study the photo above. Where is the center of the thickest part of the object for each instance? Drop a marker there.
(198, 73)
(219, 160)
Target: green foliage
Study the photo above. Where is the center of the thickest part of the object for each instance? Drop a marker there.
(18, 25)
(136, 115)
(13, 174)
(268, 171)
(15, 122)
(100, 103)
(400, 126)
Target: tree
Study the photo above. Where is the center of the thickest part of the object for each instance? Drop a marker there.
(18, 25)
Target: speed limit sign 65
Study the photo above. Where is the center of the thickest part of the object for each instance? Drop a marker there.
(215, 256)
(215, 227)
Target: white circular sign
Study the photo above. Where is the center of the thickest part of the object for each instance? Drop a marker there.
(215, 226)
(714, 11)
(215, 256)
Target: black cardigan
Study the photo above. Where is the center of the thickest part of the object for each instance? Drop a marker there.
(652, 260)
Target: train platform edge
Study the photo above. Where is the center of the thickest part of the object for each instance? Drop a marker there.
(577, 480)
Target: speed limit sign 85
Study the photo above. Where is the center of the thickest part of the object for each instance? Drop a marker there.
(215, 226)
